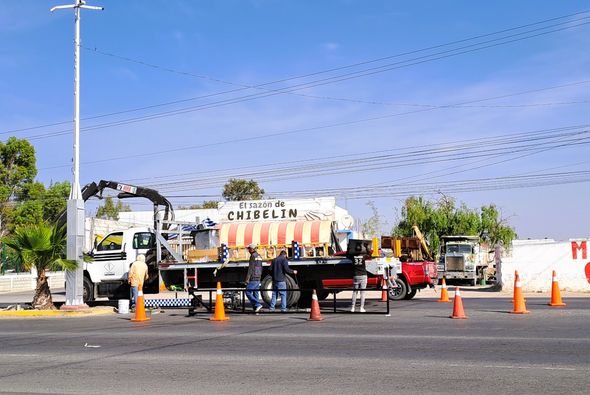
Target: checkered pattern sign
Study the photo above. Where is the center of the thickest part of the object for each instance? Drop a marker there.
(167, 302)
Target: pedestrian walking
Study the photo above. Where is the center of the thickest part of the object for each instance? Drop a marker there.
(253, 278)
(278, 268)
(359, 280)
(138, 273)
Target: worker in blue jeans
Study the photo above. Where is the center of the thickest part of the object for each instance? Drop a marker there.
(278, 268)
(253, 278)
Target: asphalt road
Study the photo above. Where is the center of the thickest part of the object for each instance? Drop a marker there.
(416, 350)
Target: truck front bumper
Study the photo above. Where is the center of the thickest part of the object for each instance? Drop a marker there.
(458, 275)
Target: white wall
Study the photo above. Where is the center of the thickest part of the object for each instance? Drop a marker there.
(536, 259)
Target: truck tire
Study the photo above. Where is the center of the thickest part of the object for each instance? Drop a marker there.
(411, 294)
(292, 296)
(398, 293)
(323, 294)
(88, 293)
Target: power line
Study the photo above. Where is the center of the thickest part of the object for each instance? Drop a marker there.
(333, 79)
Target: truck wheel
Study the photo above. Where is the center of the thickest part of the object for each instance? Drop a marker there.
(88, 294)
(323, 294)
(411, 294)
(399, 292)
(292, 296)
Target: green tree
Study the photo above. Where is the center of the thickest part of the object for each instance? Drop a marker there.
(439, 218)
(41, 246)
(372, 226)
(17, 169)
(205, 204)
(240, 189)
(493, 228)
(55, 200)
(111, 210)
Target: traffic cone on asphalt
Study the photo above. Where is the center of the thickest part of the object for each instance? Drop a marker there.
(555, 294)
(315, 308)
(140, 308)
(458, 312)
(219, 314)
(444, 292)
(384, 290)
(518, 300)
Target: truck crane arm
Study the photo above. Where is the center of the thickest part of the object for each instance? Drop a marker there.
(423, 243)
(126, 191)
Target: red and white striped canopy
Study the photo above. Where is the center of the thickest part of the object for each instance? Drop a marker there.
(240, 234)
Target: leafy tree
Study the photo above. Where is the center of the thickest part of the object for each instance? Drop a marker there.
(111, 210)
(240, 189)
(494, 228)
(55, 200)
(205, 204)
(442, 217)
(17, 169)
(33, 203)
(41, 246)
(372, 226)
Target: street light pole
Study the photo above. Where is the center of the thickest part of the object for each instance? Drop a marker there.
(75, 207)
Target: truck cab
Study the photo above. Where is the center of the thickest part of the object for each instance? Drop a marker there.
(460, 259)
(106, 274)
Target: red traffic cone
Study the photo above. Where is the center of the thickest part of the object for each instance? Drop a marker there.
(444, 292)
(140, 308)
(555, 293)
(384, 290)
(315, 308)
(219, 314)
(518, 299)
(458, 312)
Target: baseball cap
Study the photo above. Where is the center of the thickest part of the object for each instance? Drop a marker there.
(252, 246)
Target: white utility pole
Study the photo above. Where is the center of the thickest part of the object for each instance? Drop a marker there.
(75, 208)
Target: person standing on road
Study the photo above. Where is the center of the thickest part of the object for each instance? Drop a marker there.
(359, 280)
(253, 278)
(278, 268)
(138, 273)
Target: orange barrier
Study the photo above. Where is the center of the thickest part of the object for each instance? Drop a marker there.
(219, 314)
(555, 293)
(384, 290)
(518, 300)
(444, 292)
(140, 308)
(458, 312)
(315, 308)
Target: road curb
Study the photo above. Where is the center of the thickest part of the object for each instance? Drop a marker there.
(57, 313)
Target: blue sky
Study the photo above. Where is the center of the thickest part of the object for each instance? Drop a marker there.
(205, 48)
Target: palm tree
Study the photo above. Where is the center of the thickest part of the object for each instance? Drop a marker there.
(41, 246)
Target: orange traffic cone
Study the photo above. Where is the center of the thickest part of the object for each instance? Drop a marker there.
(458, 312)
(444, 293)
(519, 304)
(315, 308)
(140, 308)
(384, 290)
(219, 314)
(555, 294)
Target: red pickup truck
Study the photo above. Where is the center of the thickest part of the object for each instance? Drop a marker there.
(416, 272)
(414, 276)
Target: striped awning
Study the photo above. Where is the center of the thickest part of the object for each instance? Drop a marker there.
(240, 234)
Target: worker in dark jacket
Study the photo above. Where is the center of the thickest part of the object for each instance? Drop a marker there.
(253, 278)
(278, 268)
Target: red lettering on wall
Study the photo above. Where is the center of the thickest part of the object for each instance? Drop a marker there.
(587, 270)
(576, 247)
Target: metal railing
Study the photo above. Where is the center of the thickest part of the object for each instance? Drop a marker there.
(240, 308)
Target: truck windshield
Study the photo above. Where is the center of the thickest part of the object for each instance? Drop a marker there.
(143, 240)
(111, 242)
(459, 249)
